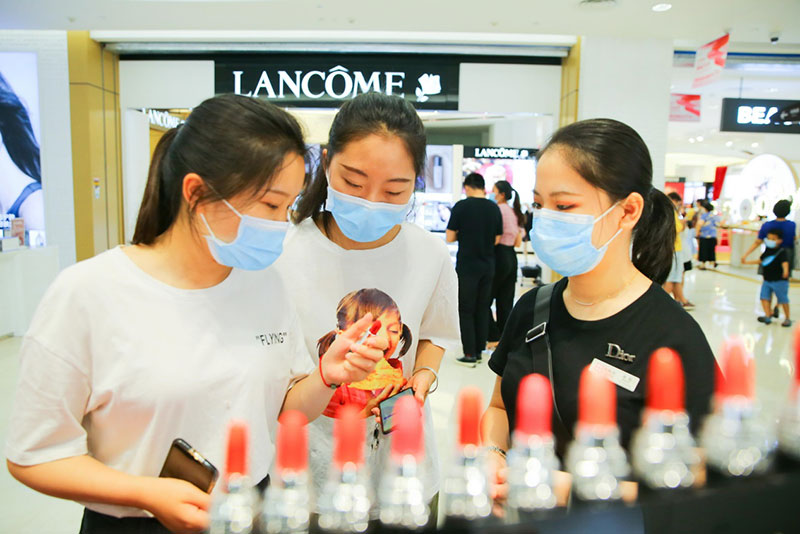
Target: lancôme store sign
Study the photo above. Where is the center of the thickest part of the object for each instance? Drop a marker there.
(326, 80)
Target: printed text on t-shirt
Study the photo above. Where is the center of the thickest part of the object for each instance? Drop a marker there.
(277, 338)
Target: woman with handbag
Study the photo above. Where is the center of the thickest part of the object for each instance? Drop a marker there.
(599, 222)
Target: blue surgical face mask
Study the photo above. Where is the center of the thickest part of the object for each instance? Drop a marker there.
(771, 243)
(362, 220)
(258, 243)
(492, 197)
(564, 241)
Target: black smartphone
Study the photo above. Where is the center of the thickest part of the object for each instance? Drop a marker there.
(187, 464)
(386, 408)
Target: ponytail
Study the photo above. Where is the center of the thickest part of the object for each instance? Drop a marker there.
(518, 210)
(654, 237)
(159, 208)
(504, 188)
(325, 342)
(236, 144)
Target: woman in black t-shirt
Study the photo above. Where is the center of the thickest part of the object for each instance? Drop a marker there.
(599, 222)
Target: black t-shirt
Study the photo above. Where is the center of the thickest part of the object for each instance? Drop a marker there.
(478, 222)
(772, 261)
(653, 321)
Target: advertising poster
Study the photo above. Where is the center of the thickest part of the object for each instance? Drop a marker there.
(710, 60)
(438, 170)
(684, 108)
(20, 168)
(516, 166)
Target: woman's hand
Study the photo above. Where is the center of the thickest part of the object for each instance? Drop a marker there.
(498, 481)
(421, 383)
(347, 361)
(178, 505)
(372, 405)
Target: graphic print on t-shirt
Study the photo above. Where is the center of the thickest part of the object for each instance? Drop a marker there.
(389, 371)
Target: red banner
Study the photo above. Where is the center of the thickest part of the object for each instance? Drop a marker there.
(719, 180)
(684, 108)
(710, 60)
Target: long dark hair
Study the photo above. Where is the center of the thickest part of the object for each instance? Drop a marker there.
(366, 114)
(17, 132)
(611, 156)
(356, 305)
(235, 143)
(508, 192)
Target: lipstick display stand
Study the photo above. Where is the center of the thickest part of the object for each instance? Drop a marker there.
(764, 504)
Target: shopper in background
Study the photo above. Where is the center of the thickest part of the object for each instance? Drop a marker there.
(788, 228)
(706, 231)
(505, 258)
(775, 267)
(177, 334)
(674, 283)
(351, 235)
(526, 237)
(477, 224)
(599, 222)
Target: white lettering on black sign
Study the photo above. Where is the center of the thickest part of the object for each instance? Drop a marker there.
(501, 153)
(338, 83)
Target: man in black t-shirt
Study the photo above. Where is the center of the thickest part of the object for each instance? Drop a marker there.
(476, 223)
(775, 266)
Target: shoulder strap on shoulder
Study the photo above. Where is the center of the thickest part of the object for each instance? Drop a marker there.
(541, 313)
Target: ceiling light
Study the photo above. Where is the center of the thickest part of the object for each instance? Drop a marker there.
(691, 139)
(700, 138)
(729, 144)
(660, 8)
(773, 89)
(754, 145)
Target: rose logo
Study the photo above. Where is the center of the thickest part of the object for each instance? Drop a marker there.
(429, 84)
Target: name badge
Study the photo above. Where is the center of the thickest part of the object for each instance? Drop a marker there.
(615, 375)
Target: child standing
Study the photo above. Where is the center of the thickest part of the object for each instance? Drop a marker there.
(775, 266)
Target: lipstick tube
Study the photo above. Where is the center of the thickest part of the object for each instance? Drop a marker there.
(344, 503)
(595, 458)
(532, 458)
(663, 451)
(401, 493)
(466, 487)
(789, 426)
(738, 441)
(287, 501)
(234, 509)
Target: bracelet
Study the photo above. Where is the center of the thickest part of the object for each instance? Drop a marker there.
(435, 384)
(498, 450)
(332, 386)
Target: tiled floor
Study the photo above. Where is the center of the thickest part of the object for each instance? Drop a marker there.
(726, 306)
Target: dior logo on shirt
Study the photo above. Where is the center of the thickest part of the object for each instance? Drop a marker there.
(616, 352)
(277, 338)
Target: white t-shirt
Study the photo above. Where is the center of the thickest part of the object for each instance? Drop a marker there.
(117, 364)
(415, 270)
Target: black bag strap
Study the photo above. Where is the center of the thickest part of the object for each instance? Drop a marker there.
(538, 341)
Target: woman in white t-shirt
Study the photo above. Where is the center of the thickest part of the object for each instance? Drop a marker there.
(179, 333)
(351, 236)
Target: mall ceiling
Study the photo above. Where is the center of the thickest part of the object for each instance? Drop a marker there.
(689, 22)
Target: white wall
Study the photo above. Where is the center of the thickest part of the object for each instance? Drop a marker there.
(629, 80)
(153, 84)
(135, 163)
(56, 142)
(508, 88)
(165, 84)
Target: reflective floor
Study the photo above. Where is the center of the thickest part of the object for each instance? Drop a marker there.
(727, 304)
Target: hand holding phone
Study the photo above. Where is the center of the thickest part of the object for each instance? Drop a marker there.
(187, 464)
(386, 408)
